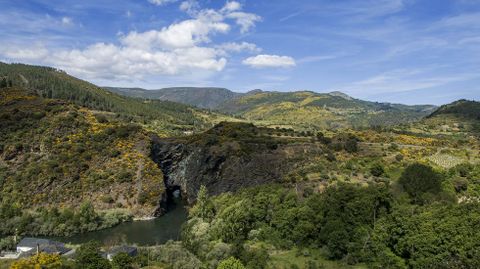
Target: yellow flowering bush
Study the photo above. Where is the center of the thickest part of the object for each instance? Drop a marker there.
(42, 260)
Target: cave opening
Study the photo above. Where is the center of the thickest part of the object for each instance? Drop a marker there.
(174, 197)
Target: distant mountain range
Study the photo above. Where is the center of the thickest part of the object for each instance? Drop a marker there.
(288, 109)
(210, 98)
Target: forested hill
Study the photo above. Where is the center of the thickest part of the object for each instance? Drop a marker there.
(462, 108)
(169, 117)
(321, 110)
(203, 97)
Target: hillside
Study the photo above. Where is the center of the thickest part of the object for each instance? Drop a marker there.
(460, 119)
(164, 117)
(54, 154)
(209, 98)
(309, 110)
(462, 109)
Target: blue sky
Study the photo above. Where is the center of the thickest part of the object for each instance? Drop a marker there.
(407, 51)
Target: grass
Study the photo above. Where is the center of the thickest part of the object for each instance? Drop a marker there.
(5, 264)
(288, 259)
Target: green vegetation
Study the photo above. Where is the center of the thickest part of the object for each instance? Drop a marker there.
(419, 180)
(340, 220)
(54, 221)
(461, 108)
(315, 111)
(164, 117)
(53, 154)
(209, 98)
(346, 195)
(348, 223)
(231, 263)
(88, 257)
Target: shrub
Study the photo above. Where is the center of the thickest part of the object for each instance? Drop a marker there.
(377, 170)
(122, 261)
(231, 263)
(419, 179)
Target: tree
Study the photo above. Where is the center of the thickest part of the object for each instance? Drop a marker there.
(231, 263)
(419, 179)
(377, 170)
(203, 208)
(88, 257)
(122, 261)
(3, 83)
(351, 145)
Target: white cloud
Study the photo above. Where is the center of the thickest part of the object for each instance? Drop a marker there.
(180, 49)
(468, 20)
(403, 80)
(67, 21)
(180, 35)
(239, 47)
(190, 6)
(33, 54)
(245, 20)
(316, 58)
(161, 2)
(232, 6)
(263, 61)
(107, 61)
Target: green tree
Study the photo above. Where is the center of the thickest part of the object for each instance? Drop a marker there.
(377, 170)
(419, 179)
(88, 257)
(3, 83)
(122, 261)
(204, 207)
(351, 145)
(231, 263)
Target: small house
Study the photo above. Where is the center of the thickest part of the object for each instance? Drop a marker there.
(30, 245)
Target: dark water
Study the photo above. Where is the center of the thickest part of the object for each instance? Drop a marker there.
(146, 232)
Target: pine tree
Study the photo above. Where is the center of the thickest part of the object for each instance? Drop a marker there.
(204, 208)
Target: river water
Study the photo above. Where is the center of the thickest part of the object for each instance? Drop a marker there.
(142, 233)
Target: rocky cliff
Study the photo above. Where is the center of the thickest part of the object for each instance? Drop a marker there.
(226, 158)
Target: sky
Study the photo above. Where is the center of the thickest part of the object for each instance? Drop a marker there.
(401, 51)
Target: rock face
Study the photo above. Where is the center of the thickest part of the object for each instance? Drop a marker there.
(219, 167)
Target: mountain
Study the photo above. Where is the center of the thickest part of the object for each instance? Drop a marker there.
(341, 94)
(462, 109)
(165, 117)
(461, 118)
(209, 98)
(310, 110)
(303, 109)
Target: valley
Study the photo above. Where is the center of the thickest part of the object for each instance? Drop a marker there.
(272, 179)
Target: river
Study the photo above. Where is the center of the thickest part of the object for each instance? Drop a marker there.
(142, 233)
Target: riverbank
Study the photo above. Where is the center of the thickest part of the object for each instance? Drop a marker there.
(140, 232)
